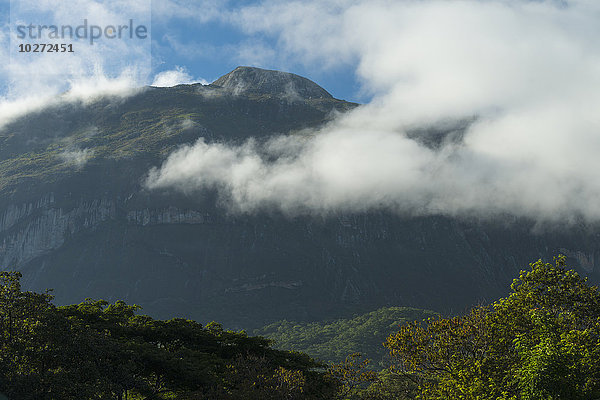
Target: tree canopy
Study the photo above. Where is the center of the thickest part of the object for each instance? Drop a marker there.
(333, 340)
(540, 342)
(96, 350)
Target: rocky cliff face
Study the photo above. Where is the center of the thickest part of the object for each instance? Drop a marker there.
(32, 230)
(246, 271)
(92, 231)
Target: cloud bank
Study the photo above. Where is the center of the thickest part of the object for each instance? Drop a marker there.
(525, 72)
(33, 81)
(82, 90)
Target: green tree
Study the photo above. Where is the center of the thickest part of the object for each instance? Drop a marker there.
(354, 376)
(391, 385)
(95, 350)
(540, 342)
(332, 341)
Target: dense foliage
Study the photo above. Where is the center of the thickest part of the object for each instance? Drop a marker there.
(332, 341)
(94, 350)
(541, 342)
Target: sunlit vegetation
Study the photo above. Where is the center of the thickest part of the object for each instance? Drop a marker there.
(145, 126)
(333, 340)
(540, 342)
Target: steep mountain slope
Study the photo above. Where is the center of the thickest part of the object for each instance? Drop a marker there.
(74, 216)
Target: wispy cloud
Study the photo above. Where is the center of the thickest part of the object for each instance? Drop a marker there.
(201, 11)
(83, 90)
(174, 77)
(110, 68)
(76, 157)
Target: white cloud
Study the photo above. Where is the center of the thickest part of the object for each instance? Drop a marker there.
(527, 71)
(187, 124)
(310, 32)
(77, 157)
(201, 11)
(174, 77)
(112, 68)
(254, 52)
(99, 85)
(82, 90)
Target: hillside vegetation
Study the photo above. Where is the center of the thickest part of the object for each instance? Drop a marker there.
(68, 137)
(96, 350)
(542, 342)
(332, 341)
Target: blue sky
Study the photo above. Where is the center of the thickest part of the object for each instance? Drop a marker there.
(215, 45)
(214, 48)
(207, 44)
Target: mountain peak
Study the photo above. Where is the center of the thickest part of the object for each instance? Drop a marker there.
(244, 80)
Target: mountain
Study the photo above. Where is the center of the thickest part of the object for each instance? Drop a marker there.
(247, 80)
(74, 216)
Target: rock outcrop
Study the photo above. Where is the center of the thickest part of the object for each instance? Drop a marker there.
(244, 80)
